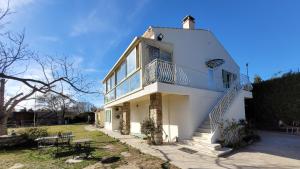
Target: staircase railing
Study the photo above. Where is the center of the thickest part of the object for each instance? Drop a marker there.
(218, 111)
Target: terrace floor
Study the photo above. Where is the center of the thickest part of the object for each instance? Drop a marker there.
(275, 150)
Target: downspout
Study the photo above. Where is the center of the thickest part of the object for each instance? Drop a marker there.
(169, 127)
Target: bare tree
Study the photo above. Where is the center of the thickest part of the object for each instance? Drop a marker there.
(55, 103)
(55, 73)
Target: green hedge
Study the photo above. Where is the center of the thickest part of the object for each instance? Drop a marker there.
(273, 100)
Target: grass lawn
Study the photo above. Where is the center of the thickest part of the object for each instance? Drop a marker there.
(104, 145)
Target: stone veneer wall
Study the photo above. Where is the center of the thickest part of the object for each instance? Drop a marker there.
(126, 118)
(156, 115)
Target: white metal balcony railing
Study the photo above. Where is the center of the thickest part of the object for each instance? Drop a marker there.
(167, 72)
(163, 71)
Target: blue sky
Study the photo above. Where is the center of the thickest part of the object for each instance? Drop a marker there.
(95, 32)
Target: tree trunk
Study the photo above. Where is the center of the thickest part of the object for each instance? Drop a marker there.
(3, 125)
(3, 113)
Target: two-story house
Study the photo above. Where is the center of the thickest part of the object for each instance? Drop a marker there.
(183, 78)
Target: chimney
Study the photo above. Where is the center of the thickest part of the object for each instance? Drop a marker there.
(188, 22)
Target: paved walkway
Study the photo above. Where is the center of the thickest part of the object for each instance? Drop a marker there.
(274, 151)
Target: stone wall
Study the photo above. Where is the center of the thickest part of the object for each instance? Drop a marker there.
(156, 116)
(125, 120)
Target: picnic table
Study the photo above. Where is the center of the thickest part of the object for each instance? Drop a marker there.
(55, 140)
(82, 146)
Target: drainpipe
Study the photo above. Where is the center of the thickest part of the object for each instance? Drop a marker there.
(169, 120)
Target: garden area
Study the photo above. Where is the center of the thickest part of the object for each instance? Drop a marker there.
(106, 152)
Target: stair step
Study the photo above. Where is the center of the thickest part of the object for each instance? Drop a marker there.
(223, 151)
(202, 134)
(202, 139)
(213, 146)
(206, 122)
(203, 130)
(205, 126)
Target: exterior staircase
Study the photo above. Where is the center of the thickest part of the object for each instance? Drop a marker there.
(201, 141)
(202, 138)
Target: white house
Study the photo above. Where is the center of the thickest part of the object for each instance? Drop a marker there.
(183, 78)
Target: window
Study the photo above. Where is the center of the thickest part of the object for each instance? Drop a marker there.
(108, 85)
(228, 78)
(166, 56)
(108, 115)
(153, 53)
(112, 81)
(135, 81)
(156, 53)
(130, 84)
(131, 61)
(211, 83)
(121, 72)
(105, 87)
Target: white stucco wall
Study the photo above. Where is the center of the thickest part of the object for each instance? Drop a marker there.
(139, 110)
(115, 122)
(175, 110)
(192, 48)
(184, 109)
(116, 114)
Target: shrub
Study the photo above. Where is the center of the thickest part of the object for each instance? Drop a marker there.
(30, 134)
(237, 134)
(273, 100)
(148, 128)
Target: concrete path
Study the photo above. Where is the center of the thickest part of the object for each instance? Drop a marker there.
(274, 151)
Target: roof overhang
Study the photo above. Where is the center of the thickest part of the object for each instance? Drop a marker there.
(213, 63)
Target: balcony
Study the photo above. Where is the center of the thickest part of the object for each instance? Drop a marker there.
(167, 72)
(125, 87)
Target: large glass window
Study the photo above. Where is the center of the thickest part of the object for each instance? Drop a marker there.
(121, 72)
(108, 85)
(112, 81)
(135, 81)
(130, 84)
(109, 96)
(131, 61)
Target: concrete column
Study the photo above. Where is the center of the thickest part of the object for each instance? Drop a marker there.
(126, 118)
(156, 116)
